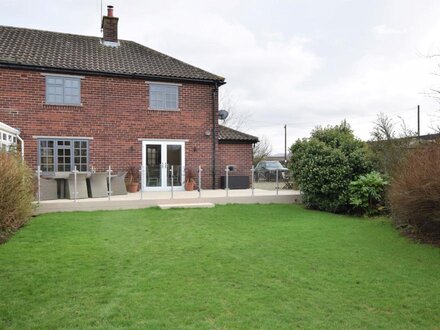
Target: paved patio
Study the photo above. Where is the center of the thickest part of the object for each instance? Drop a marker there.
(149, 199)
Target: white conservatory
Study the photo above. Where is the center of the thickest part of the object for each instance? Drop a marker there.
(9, 138)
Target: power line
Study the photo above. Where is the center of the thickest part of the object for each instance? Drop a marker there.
(355, 119)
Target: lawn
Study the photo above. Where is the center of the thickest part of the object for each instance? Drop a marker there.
(230, 267)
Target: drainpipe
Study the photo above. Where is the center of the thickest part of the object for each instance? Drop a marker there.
(214, 135)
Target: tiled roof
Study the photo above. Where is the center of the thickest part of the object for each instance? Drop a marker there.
(228, 134)
(61, 51)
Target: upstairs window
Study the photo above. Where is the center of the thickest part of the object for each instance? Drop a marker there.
(164, 97)
(63, 90)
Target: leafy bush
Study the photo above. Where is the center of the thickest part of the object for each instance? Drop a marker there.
(414, 193)
(326, 163)
(367, 194)
(16, 194)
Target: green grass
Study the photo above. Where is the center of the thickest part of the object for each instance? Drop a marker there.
(231, 267)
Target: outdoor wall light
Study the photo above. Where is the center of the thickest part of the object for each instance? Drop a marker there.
(208, 132)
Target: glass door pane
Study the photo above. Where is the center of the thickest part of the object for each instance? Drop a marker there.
(174, 158)
(153, 160)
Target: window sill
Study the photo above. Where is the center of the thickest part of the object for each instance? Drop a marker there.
(168, 110)
(64, 105)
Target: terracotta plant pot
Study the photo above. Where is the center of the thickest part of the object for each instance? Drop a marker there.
(133, 187)
(190, 185)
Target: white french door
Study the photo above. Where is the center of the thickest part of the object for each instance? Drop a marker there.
(158, 158)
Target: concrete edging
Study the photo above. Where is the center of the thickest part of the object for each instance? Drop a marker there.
(69, 206)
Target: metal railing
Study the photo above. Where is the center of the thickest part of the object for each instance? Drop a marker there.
(173, 178)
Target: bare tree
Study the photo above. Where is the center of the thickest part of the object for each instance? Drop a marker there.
(236, 119)
(384, 128)
(261, 150)
(239, 121)
(389, 143)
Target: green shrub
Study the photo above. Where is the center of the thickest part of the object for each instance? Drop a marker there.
(367, 194)
(16, 194)
(414, 193)
(326, 163)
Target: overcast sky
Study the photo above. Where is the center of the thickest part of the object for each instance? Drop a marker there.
(300, 63)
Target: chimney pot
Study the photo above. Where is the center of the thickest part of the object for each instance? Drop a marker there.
(110, 11)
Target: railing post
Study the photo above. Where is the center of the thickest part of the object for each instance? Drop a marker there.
(142, 173)
(252, 180)
(227, 181)
(75, 184)
(200, 180)
(39, 183)
(109, 171)
(277, 188)
(172, 181)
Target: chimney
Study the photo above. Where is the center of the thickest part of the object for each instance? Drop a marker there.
(110, 27)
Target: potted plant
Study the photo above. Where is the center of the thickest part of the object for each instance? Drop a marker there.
(190, 181)
(132, 185)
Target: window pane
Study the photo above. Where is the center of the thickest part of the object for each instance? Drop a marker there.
(51, 99)
(80, 151)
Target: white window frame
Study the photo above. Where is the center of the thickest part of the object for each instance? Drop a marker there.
(164, 86)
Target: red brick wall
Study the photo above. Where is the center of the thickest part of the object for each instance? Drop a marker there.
(115, 113)
(235, 154)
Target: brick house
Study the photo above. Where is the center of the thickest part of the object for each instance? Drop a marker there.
(92, 102)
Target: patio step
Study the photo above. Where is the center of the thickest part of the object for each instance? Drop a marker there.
(185, 206)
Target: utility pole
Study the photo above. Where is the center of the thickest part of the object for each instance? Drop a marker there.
(418, 121)
(285, 144)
